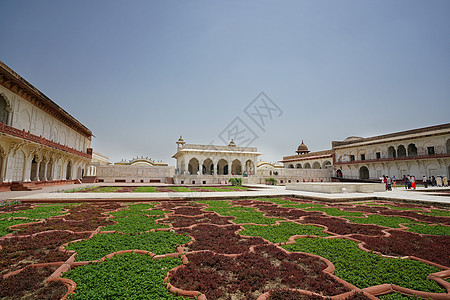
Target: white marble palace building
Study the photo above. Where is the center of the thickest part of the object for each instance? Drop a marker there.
(418, 152)
(212, 164)
(39, 141)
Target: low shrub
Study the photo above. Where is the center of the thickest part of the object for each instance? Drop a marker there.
(271, 181)
(235, 181)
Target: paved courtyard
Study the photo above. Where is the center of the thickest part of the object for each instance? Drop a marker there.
(54, 194)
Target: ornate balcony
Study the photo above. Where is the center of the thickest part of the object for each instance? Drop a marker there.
(42, 141)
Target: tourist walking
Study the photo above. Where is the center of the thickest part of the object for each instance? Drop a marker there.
(413, 182)
(388, 183)
(445, 181)
(425, 181)
(406, 181)
(394, 181)
(439, 181)
(433, 181)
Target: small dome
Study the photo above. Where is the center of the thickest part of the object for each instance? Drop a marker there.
(302, 149)
(232, 144)
(181, 141)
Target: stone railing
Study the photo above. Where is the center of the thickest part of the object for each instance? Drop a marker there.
(42, 141)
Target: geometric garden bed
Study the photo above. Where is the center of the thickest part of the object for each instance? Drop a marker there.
(262, 248)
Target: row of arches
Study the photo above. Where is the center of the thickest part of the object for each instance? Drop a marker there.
(364, 172)
(307, 165)
(21, 169)
(221, 167)
(401, 151)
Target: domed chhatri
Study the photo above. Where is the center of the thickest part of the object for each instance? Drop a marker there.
(180, 142)
(302, 149)
(232, 144)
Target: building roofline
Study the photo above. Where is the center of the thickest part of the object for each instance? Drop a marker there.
(423, 130)
(18, 85)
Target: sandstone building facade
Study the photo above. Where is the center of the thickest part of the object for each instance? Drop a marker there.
(39, 141)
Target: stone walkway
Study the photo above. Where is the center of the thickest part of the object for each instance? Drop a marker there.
(51, 194)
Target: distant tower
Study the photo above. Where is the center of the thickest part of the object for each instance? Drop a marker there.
(180, 143)
(232, 144)
(302, 149)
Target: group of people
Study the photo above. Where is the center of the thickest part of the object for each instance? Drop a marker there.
(435, 181)
(389, 182)
(409, 181)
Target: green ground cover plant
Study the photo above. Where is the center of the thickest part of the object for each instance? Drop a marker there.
(216, 203)
(289, 203)
(125, 276)
(279, 201)
(244, 215)
(395, 207)
(392, 222)
(180, 189)
(106, 189)
(134, 224)
(332, 211)
(39, 212)
(397, 296)
(139, 209)
(437, 213)
(303, 205)
(240, 188)
(430, 229)
(282, 232)
(364, 269)
(145, 189)
(77, 189)
(160, 242)
(215, 189)
(5, 223)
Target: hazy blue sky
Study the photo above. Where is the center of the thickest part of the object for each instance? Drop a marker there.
(141, 73)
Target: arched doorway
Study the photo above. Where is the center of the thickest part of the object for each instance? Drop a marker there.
(316, 165)
(193, 166)
(391, 152)
(249, 167)
(339, 173)
(69, 171)
(327, 164)
(42, 174)
(49, 170)
(34, 174)
(298, 166)
(208, 167)
(448, 146)
(307, 166)
(291, 166)
(363, 173)
(401, 151)
(412, 150)
(4, 113)
(222, 167)
(18, 166)
(236, 167)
